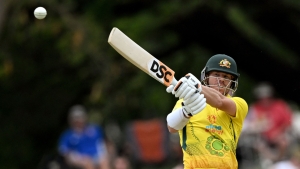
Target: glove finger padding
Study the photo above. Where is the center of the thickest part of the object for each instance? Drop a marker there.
(180, 90)
(198, 107)
(183, 89)
(194, 100)
(195, 104)
(190, 111)
(186, 87)
(179, 85)
(186, 93)
(194, 82)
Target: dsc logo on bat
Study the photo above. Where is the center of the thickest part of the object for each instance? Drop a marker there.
(160, 71)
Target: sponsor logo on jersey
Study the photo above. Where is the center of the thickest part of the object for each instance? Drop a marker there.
(162, 72)
(213, 128)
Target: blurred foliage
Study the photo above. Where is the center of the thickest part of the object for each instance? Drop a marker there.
(49, 65)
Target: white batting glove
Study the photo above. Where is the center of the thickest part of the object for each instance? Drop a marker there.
(186, 87)
(194, 105)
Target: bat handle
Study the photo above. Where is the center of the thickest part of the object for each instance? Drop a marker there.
(174, 82)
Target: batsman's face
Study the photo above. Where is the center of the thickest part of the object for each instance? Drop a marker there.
(220, 81)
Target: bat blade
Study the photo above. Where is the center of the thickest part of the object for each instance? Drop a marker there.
(141, 58)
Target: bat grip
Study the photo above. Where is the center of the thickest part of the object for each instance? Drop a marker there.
(174, 82)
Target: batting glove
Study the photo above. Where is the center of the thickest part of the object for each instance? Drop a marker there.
(186, 87)
(194, 105)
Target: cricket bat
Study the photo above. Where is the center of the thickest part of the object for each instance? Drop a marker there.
(141, 58)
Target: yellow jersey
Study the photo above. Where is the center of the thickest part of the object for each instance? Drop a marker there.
(210, 138)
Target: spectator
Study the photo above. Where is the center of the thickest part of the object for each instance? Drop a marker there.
(270, 118)
(121, 162)
(83, 145)
(293, 162)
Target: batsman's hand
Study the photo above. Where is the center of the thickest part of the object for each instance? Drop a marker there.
(193, 105)
(185, 87)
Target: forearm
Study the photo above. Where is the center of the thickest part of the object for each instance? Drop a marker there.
(213, 97)
(171, 130)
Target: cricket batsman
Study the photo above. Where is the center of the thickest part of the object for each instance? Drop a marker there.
(207, 116)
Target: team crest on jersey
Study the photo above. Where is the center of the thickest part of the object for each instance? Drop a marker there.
(225, 63)
(212, 118)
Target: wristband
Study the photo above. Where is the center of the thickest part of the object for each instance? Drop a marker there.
(176, 119)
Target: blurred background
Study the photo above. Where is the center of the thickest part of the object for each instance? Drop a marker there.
(49, 65)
